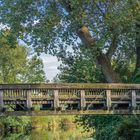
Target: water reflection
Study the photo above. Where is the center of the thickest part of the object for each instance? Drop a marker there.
(39, 134)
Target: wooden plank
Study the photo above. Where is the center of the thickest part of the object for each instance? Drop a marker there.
(70, 86)
(95, 102)
(108, 99)
(29, 100)
(120, 102)
(1, 99)
(133, 99)
(82, 99)
(56, 99)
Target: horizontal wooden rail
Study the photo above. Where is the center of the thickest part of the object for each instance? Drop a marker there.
(70, 97)
(71, 86)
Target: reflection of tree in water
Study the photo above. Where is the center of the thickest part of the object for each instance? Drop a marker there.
(56, 134)
(42, 134)
(16, 136)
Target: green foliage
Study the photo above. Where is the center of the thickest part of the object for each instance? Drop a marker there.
(34, 71)
(101, 124)
(129, 129)
(79, 67)
(12, 63)
(112, 127)
(17, 66)
(136, 78)
(15, 121)
(53, 25)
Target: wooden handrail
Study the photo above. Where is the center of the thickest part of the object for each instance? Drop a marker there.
(70, 86)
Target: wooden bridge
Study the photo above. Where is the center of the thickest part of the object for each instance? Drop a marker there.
(69, 99)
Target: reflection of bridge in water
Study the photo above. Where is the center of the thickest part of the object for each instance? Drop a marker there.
(59, 99)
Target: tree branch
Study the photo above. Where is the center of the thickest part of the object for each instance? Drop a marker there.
(85, 36)
(112, 47)
(107, 69)
(100, 10)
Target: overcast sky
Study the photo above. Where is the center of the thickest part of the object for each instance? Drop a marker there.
(50, 65)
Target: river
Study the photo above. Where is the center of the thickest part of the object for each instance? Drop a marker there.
(48, 128)
(39, 134)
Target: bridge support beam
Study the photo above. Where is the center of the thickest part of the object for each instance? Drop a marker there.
(108, 99)
(56, 99)
(29, 100)
(83, 101)
(1, 100)
(133, 99)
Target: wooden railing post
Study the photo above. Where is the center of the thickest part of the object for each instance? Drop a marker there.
(108, 99)
(133, 99)
(29, 100)
(1, 100)
(56, 99)
(83, 101)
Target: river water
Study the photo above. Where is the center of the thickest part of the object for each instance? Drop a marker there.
(42, 134)
(50, 128)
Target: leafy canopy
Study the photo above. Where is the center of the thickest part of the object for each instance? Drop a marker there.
(53, 25)
(18, 66)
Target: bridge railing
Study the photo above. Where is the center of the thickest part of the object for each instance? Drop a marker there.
(82, 96)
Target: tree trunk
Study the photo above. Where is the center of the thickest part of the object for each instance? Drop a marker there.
(110, 75)
(84, 34)
(137, 47)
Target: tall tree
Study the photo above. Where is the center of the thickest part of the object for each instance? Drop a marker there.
(17, 66)
(107, 28)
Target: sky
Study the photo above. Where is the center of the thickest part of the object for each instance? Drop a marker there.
(50, 66)
(50, 63)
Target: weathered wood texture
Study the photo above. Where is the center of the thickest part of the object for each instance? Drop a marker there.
(108, 98)
(83, 100)
(56, 99)
(29, 100)
(1, 99)
(70, 86)
(133, 99)
(70, 97)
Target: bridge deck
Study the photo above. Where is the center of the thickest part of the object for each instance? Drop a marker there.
(68, 99)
